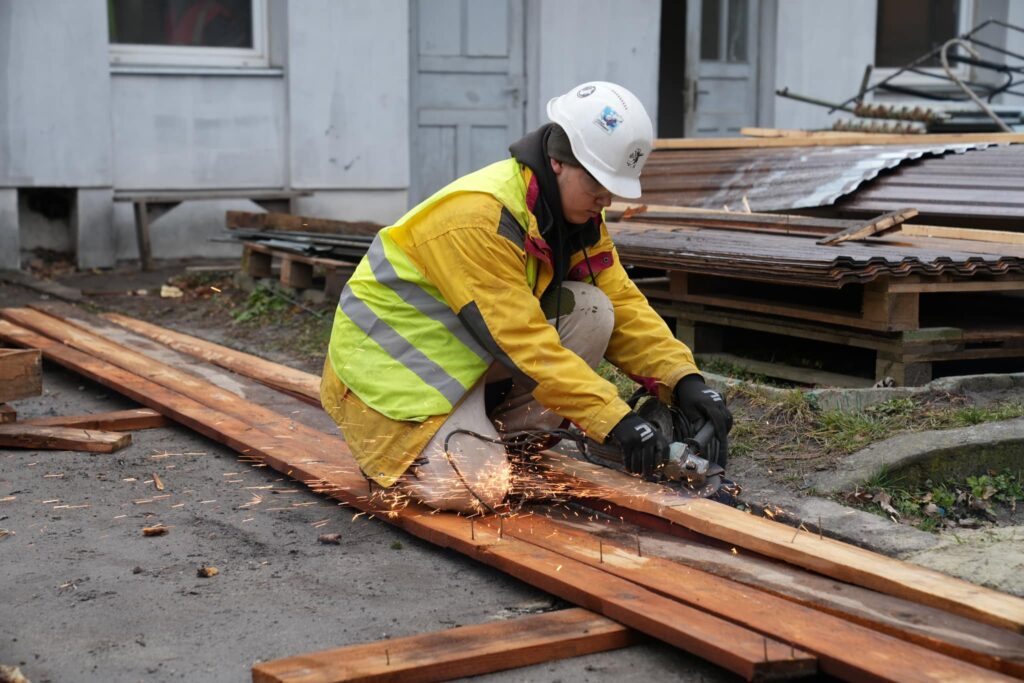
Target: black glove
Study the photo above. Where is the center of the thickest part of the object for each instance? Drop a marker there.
(699, 402)
(643, 446)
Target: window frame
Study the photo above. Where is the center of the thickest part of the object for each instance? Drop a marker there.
(968, 9)
(151, 55)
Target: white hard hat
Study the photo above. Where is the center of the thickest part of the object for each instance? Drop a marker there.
(610, 133)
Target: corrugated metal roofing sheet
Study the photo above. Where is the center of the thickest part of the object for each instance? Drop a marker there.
(791, 259)
(774, 179)
(988, 184)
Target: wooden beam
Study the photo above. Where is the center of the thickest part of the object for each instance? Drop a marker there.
(844, 650)
(977, 235)
(116, 421)
(818, 553)
(877, 226)
(456, 652)
(838, 141)
(971, 641)
(456, 528)
(21, 374)
(20, 435)
(868, 568)
(249, 220)
(322, 462)
(295, 382)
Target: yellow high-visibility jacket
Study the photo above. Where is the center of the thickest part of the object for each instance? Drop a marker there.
(467, 247)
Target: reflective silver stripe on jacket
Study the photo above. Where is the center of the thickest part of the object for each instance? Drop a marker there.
(423, 302)
(398, 348)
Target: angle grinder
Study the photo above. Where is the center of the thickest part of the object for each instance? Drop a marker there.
(696, 458)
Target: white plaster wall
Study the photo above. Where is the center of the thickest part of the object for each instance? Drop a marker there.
(183, 232)
(198, 132)
(379, 206)
(572, 41)
(54, 93)
(821, 49)
(348, 93)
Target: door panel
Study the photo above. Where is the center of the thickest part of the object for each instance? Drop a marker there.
(468, 89)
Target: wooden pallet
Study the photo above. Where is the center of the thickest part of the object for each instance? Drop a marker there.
(21, 374)
(907, 334)
(296, 270)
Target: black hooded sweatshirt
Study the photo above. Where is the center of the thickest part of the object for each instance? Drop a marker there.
(563, 237)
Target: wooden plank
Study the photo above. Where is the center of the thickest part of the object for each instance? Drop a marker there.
(21, 435)
(295, 382)
(844, 650)
(997, 236)
(323, 463)
(821, 554)
(972, 641)
(838, 141)
(249, 220)
(877, 226)
(21, 374)
(7, 413)
(176, 196)
(788, 372)
(454, 653)
(116, 421)
(756, 132)
(470, 531)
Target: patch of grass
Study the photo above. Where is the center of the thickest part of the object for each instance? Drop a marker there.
(973, 501)
(261, 304)
(396, 545)
(622, 382)
(720, 366)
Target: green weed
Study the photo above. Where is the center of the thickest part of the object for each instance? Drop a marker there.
(261, 303)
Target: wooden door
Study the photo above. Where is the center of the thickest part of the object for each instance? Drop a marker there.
(727, 68)
(468, 94)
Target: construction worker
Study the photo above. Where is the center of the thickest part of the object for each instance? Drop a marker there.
(484, 310)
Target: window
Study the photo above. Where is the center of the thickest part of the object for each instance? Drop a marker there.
(908, 29)
(724, 25)
(220, 33)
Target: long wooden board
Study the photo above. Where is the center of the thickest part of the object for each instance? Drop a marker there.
(775, 606)
(115, 421)
(826, 556)
(877, 226)
(844, 650)
(322, 462)
(295, 382)
(838, 140)
(821, 554)
(21, 374)
(454, 653)
(21, 435)
(972, 641)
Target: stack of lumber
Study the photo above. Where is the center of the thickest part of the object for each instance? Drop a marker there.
(942, 628)
(303, 252)
(915, 295)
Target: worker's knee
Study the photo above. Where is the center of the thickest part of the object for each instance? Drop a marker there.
(588, 321)
(469, 481)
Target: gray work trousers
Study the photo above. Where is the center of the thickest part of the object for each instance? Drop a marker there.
(484, 474)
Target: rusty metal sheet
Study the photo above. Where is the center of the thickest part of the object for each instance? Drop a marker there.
(793, 259)
(775, 179)
(979, 184)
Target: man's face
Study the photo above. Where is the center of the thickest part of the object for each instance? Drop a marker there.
(582, 196)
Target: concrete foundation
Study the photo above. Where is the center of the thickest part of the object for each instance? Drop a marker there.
(92, 224)
(10, 238)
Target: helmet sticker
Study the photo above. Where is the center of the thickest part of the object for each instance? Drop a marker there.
(634, 157)
(608, 120)
(586, 91)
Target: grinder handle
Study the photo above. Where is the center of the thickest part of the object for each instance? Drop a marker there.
(703, 436)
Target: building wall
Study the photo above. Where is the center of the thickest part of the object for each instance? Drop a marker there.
(54, 94)
(572, 41)
(821, 49)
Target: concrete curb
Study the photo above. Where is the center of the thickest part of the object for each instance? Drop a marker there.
(933, 455)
